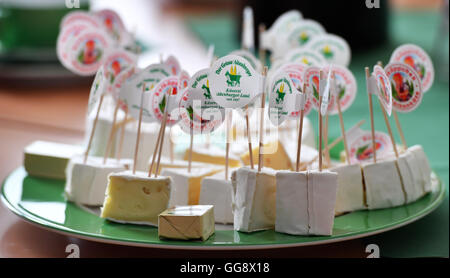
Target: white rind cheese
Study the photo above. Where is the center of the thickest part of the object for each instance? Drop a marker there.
(350, 190)
(292, 203)
(411, 176)
(424, 166)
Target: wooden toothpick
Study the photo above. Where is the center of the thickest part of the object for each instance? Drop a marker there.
(341, 121)
(138, 137)
(166, 109)
(111, 133)
(191, 144)
(262, 52)
(122, 136)
(300, 132)
(320, 124)
(227, 144)
(261, 125)
(249, 137)
(388, 125)
(372, 125)
(91, 136)
(155, 151)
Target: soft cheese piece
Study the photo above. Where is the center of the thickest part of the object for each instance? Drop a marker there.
(186, 186)
(212, 155)
(275, 157)
(255, 199)
(49, 159)
(187, 222)
(292, 203)
(322, 188)
(384, 188)
(176, 163)
(424, 166)
(86, 182)
(217, 191)
(411, 176)
(136, 199)
(350, 190)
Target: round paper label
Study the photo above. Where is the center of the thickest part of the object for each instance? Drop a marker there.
(361, 149)
(297, 81)
(64, 38)
(282, 25)
(254, 62)
(79, 17)
(406, 86)
(418, 59)
(112, 23)
(333, 48)
(174, 65)
(302, 32)
(345, 86)
(307, 57)
(183, 80)
(384, 88)
(120, 79)
(233, 82)
(97, 89)
(88, 51)
(312, 79)
(160, 100)
(282, 99)
(115, 63)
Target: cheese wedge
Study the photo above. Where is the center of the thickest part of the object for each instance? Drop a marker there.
(384, 187)
(411, 176)
(136, 199)
(49, 159)
(217, 191)
(176, 163)
(275, 157)
(86, 182)
(212, 155)
(255, 199)
(186, 223)
(292, 203)
(322, 188)
(186, 186)
(424, 166)
(350, 190)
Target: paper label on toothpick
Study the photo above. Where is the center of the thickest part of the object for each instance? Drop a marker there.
(161, 100)
(283, 99)
(308, 57)
(254, 62)
(97, 89)
(116, 62)
(88, 51)
(360, 145)
(297, 80)
(65, 37)
(418, 59)
(121, 78)
(344, 89)
(112, 23)
(333, 48)
(79, 17)
(312, 80)
(233, 82)
(282, 25)
(302, 32)
(384, 88)
(173, 64)
(183, 81)
(406, 86)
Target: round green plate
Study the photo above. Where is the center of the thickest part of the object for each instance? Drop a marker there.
(41, 201)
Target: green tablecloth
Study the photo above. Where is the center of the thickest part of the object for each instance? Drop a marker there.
(428, 125)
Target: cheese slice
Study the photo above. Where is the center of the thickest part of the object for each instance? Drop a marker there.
(292, 203)
(275, 156)
(176, 163)
(384, 187)
(136, 199)
(186, 223)
(186, 186)
(322, 188)
(411, 176)
(350, 190)
(212, 155)
(86, 182)
(255, 200)
(424, 166)
(49, 159)
(217, 191)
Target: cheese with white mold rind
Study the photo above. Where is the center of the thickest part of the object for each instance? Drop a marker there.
(322, 188)
(292, 202)
(411, 176)
(186, 186)
(187, 223)
(217, 191)
(49, 159)
(384, 188)
(350, 190)
(424, 166)
(86, 182)
(255, 199)
(136, 199)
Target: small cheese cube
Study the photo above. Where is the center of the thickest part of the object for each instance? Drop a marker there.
(322, 188)
(292, 203)
(217, 191)
(423, 165)
(86, 182)
(212, 155)
(384, 188)
(186, 186)
(255, 199)
(350, 190)
(136, 199)
(49, 159)
(186, 222)
(275, 156)
(411, 176)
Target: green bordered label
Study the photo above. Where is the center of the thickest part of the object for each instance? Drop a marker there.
(333, 48)
(281, 26)
(254, 62)
(303, 32)
(307, 57)
(282, 99)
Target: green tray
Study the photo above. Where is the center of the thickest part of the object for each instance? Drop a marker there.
(41, 202)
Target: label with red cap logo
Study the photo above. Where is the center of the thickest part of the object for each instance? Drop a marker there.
(112, 23)
(361, 149)
(297, 80)
(384, 88)
(161, 100)
(345, 88)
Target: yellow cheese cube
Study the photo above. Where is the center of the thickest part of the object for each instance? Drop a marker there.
(213, 155)
(277, 158)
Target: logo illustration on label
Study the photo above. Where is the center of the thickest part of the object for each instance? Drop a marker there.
(307, 57)
(233, 78)
(333, 48)
(174, 65)
(406, 87)
(97, 88)
(384, 88)
(161, 100)
(282, 100)
(361, 149)
(297, 80)
(117, 62)
(207, 93)
(345, 88)
(112, 23)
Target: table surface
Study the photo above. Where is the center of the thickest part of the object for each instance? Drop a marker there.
(57, 114)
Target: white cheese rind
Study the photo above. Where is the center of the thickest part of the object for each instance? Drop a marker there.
(292, 203)
(322, 187)
(424, 166)
(218, 192)
(350, 190)
(411, 176)
(384, 188)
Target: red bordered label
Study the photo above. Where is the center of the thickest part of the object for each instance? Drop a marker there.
(64, 39)
(297, 80)
(116, 62)
(83, 17)
(112, 23)
(174, 65)
(160, 99)
(346, 88)
(361, 149)
(384, 88)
